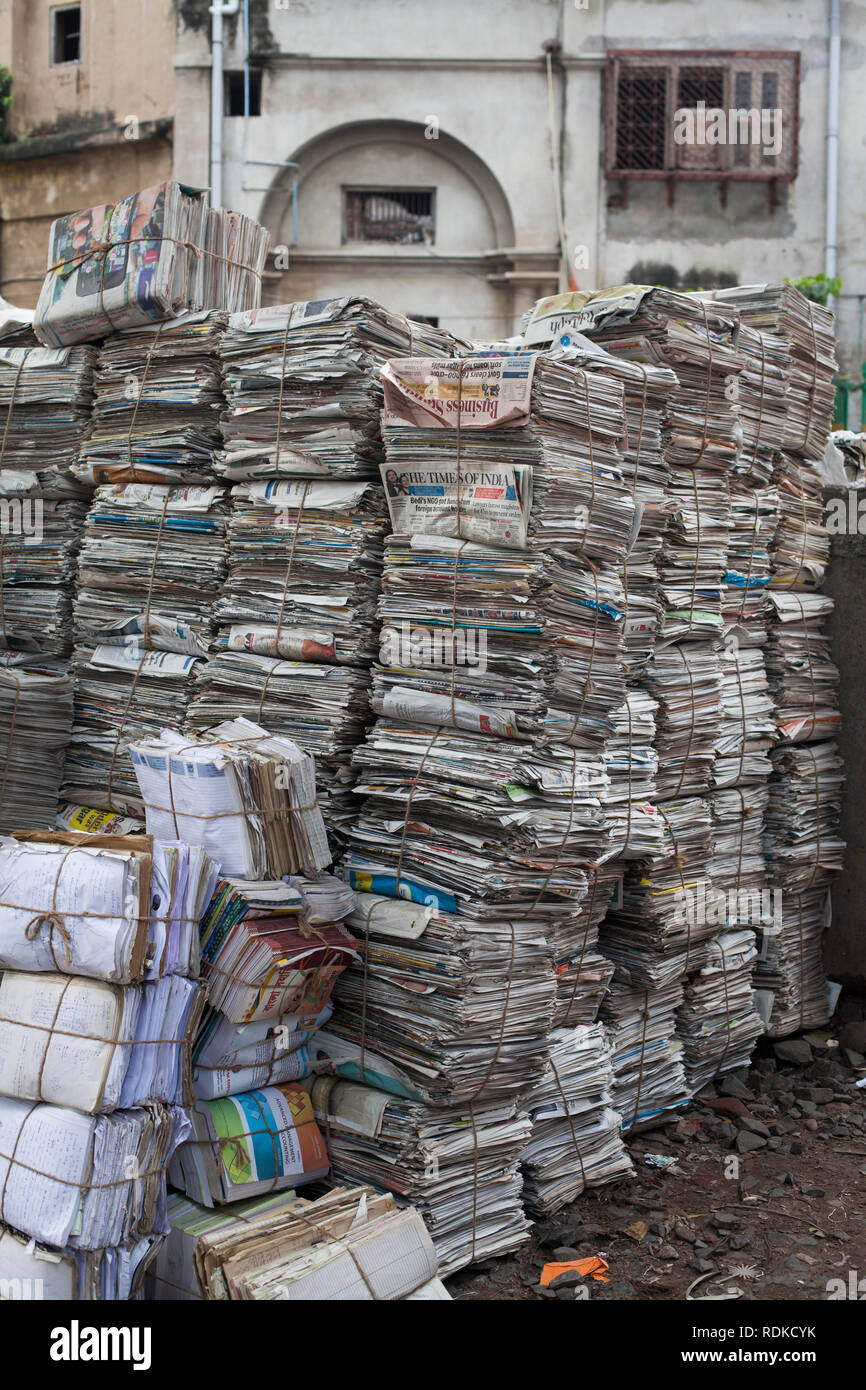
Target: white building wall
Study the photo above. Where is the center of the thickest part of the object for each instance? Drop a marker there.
(479, 70)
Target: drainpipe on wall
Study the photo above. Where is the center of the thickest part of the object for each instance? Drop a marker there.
(217, 98)
(832, 194)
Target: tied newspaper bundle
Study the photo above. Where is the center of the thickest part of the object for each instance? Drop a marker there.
(157, 401)
(244, 795)
(122, 694)
(458, 1168)
(582, 974)
(804, 852)
(302, 390)
(155, 255)
(351, 1244)
(151, 567)
(657, 932)
(646, 1053)
(296, 620)
(717, 1022)
(576, 1136)
(646, 389)
(807, 330)
(271, 953)
(35, 727)
(66, 1276)
(45, 398)
(41, 519)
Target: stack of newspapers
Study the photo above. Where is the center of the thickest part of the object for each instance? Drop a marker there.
(483, 782)
(157, 402)
(41, 519)
(155, 255)
(576, 1141)
(150, 570)
(99, 1002)
(45, 400)
(802, 842)
(351, 1244)
(35, 726)
(302, 444)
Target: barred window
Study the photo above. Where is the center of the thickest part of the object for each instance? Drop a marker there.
(707, 114)
(401, 215)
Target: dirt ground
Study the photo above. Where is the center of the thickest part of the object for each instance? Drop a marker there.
(785, 1219)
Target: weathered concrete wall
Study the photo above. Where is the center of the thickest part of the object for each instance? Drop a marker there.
(845, 950)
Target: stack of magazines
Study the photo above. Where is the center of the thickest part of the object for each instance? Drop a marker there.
(157, 404)
(576, 1136)
(155, 255)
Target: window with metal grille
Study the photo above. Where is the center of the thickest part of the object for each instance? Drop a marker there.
(66, 35)
(397, 215)
(701, 115)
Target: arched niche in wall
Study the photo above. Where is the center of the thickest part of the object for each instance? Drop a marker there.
(472, 211)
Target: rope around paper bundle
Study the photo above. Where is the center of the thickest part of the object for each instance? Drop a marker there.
(646, 1016)
(679, 860)
(594, 869)
(748, 582)
(570, 1123)
(112, 1044)
(9, 738)
(285, 593)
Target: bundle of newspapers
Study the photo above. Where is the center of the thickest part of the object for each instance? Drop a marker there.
(246, 796)
(151, 567)
(718, 1022)
(45, 398)
(41, 517)
(157, 254)
(807, 329)
(35, 727)
(458, 1167)
(157, 402)
(646, 1053)
(576, 1136)
(302, 392)
(123, 693)
(351, 1244)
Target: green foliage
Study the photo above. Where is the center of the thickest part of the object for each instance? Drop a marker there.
(818, 288)
(5, 103)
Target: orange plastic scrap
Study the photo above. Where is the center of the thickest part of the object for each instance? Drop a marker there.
(593, 1266)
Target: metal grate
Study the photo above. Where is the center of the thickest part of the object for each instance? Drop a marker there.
(645, 91)
(397, 215)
